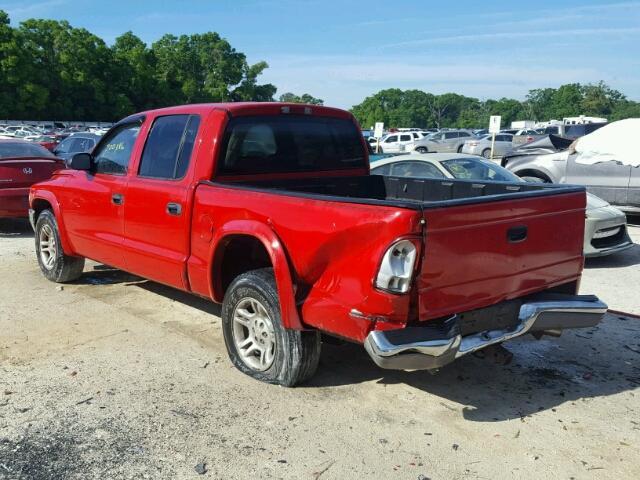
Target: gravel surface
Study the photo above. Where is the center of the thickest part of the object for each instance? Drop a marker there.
(117, 377)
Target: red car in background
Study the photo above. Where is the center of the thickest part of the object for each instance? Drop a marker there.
(21, 165)
(50, 142)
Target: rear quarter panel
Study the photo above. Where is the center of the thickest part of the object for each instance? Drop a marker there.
(333, 251)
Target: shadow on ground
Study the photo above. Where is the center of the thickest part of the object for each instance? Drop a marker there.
(106, 275)
(583, 364)
(15, 228)
(580, 365)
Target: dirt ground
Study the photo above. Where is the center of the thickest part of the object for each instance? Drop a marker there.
(117, 377)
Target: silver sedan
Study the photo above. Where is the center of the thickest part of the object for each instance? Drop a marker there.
(482, 145)
(605, 229)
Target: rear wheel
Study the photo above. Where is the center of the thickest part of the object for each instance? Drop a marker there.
(486, 153)
(422, 150)
(54, 263)
(460, 149)
(257, 343)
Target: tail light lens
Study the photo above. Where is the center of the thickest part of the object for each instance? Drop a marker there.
(397, 266)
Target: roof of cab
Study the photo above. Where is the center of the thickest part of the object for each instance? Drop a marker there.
(250, 108)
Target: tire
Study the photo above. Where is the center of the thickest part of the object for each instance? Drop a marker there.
(486, 153)
(55, 265)
(257, 343)
(460, 149)
(422, 150)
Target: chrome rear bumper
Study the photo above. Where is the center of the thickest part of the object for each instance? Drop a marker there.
(431, 347)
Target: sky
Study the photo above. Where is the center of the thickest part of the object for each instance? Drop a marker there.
(343, 51)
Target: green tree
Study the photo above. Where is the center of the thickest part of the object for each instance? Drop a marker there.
(289, 97)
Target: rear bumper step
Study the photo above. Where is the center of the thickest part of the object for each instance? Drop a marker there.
(431, 347)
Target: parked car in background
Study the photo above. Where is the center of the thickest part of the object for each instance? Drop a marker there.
(47, 141)
(449, 141)
(482, 146)
(397, 142)
(605, 161)
(566, 131)
(76, 143)
(605, 226)
(22, 164)
(20, 131)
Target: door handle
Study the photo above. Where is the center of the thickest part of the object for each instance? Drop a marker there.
(117, 199)
(517, 234)
(174, 208)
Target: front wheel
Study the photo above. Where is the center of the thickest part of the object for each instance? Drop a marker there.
(460, 149)
(422, 150)
(486, 153)
(54, 263)
(257, 343)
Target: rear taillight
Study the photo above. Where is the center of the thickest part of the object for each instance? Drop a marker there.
(397, 267)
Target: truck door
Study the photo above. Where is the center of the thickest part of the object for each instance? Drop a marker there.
(93, 201)
(390, 144)
(608, 180)
(157, 213)
(450, 139)
(406, 140)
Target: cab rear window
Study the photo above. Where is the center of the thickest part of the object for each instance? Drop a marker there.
(289, 143)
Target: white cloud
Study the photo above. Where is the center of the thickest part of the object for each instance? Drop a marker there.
(346, 80)
(474, 37)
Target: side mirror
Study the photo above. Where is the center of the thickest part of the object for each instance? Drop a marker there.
(80, 161)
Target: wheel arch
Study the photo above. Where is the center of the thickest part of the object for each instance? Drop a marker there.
(42, 200)
(533, 172)
(260, 247)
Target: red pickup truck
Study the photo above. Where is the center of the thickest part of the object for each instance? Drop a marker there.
(269, 209)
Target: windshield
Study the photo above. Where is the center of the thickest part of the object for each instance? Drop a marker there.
(290, 143)
(475, 169)
(19, 150)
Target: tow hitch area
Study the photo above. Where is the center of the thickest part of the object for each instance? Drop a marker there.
(439, 343)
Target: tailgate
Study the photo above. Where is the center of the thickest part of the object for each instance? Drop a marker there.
(24, 172)
(481, 254)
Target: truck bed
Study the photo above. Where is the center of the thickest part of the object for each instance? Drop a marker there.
(468, 261)
(413, 193)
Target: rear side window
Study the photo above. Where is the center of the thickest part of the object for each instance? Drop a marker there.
(405, 138)
(81, 145)
(169, 145)
(290, 143)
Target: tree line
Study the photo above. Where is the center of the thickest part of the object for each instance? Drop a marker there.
(415, 108)
(50, 70)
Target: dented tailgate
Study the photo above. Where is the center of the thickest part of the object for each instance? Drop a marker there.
(480, 254)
